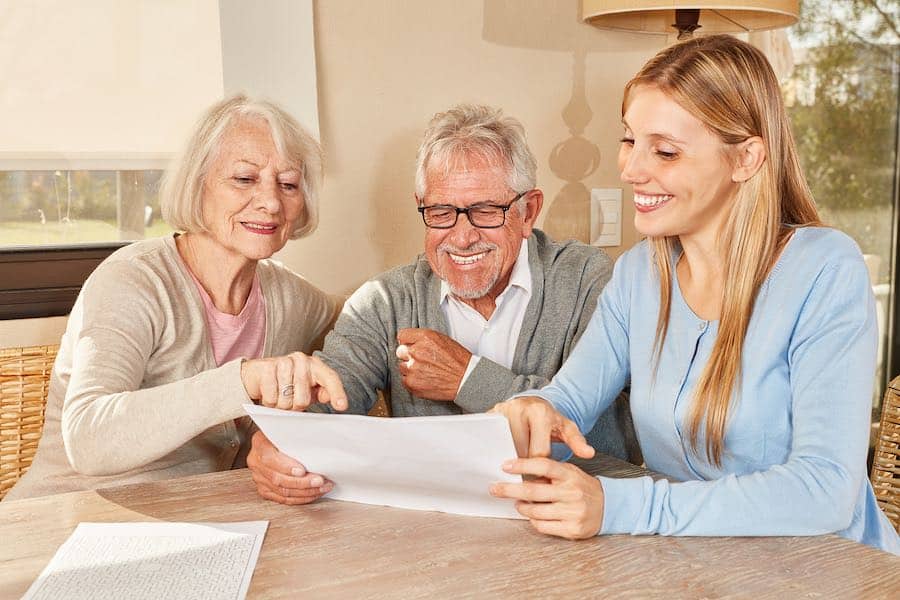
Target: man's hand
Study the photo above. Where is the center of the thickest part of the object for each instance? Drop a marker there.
(280, 478)
(432, 364)
(535, 423)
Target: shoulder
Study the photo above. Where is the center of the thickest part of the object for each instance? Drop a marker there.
(404, 281)
(144, 263)
(570, 256)
(813, 250)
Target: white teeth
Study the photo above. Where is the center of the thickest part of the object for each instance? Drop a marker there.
(260, 227)
(643, 200)
(466, 260)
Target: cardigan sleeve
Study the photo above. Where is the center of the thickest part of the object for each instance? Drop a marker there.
(831, 358)
(359, 346)
(109, 424)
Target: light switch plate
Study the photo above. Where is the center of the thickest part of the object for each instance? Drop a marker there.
(606, 217)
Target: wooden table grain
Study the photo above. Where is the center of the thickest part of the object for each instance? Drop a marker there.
(334, 549)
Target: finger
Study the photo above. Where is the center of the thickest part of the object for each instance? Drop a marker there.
(304, 380)
(326, 378)
(540, 426)
(529, 492)
(274, 496)
(410, 335)
(284, 376)
(290, 486)
(268, 385)
(539, 467)
(567, 432)
(543, 511)
(403, 367)
(563, 529)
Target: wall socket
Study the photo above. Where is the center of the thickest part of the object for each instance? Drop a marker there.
(606, 217)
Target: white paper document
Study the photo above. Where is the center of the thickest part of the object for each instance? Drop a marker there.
(153, 560)
(444, 463)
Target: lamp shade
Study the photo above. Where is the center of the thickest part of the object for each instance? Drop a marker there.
(715, 16)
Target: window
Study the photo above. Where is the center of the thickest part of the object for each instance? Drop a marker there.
(843, 101)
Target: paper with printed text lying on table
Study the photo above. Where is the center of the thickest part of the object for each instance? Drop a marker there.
(153, 560)
(444, 463)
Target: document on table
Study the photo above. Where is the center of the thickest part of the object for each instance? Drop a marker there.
(152, 560)
(444, 463)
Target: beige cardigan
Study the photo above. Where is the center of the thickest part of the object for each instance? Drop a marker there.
(135, 393)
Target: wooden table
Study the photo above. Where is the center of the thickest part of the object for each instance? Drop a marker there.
(334, 549)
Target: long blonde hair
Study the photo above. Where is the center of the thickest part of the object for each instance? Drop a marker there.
(730, 87)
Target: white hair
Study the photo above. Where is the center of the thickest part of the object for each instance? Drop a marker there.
(469, 131)
(182, 185)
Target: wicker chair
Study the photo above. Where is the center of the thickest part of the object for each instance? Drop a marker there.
(24, 382)
(886, 465)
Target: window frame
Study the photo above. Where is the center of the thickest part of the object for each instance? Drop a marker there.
(44, 281)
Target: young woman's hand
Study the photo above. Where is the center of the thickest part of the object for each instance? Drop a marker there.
(535, 423)
(563, 501)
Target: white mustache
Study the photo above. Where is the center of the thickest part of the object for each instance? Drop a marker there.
(472, 249)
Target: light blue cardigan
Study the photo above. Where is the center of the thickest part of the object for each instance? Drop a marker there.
(797, 436)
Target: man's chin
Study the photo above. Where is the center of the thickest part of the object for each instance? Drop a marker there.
(470, 292)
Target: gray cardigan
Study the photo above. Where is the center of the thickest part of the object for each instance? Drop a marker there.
(567, 280)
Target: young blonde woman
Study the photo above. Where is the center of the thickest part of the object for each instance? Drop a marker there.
(746, 328)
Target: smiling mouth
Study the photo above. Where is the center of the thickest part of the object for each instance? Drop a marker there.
(471, 259)
(259, 228)
(645, 202)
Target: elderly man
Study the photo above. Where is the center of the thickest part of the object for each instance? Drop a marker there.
(492, 308)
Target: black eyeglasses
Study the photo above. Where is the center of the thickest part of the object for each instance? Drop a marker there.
(483, 216)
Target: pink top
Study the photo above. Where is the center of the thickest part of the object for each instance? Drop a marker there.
(236, 336)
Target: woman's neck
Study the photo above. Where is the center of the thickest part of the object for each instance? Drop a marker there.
(701, 277)
(225, 275)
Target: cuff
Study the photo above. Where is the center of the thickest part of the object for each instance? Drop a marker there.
(225, 383)
(623, 503)
(486, 385)
(473, 362)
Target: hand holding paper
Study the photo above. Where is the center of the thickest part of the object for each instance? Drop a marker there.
(445, 463)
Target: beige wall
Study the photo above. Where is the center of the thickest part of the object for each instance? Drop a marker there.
(386, 66)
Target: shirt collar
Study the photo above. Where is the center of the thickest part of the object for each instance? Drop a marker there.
(520, 276)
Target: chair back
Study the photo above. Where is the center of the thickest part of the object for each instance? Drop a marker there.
(886, 464)
(24, 383)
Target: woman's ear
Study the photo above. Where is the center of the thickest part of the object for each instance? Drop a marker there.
(750, 156)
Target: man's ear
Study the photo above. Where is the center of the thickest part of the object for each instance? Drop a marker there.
(534, 202)
(750, 156)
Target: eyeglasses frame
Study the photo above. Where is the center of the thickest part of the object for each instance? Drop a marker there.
(466, 210)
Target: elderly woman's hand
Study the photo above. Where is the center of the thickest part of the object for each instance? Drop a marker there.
(535, 423)
(292, 382)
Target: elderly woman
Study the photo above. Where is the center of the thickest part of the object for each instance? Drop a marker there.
(153, 369)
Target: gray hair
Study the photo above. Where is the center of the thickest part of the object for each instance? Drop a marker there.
(467, 131)
(182, 184)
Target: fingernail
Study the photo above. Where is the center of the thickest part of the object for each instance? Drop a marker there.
(326, 488)
(298, 471)
(316, 481)
(506, 466)
(494, 490)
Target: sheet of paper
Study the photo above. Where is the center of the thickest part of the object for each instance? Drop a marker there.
(152, 560)
(442, 463)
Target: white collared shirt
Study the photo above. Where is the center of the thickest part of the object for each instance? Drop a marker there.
(494, 338)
